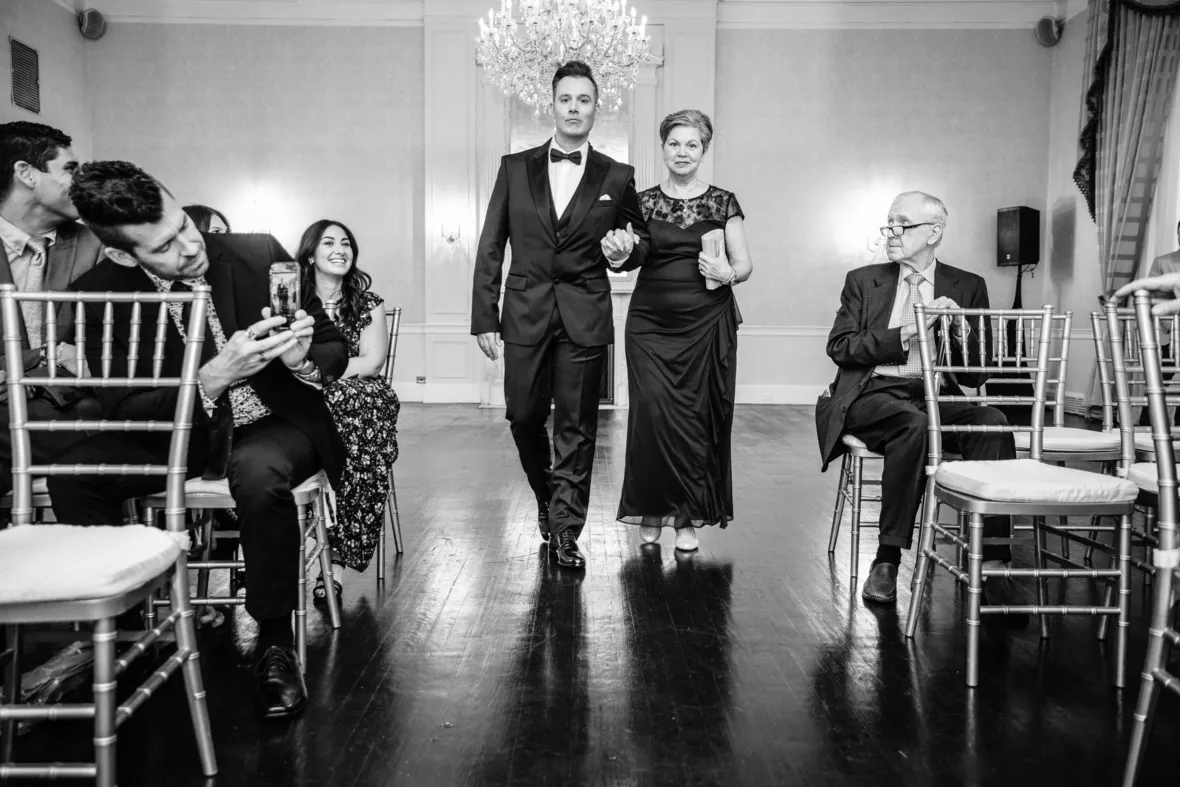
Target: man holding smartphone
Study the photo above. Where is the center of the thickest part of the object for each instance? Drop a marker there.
(261, 420)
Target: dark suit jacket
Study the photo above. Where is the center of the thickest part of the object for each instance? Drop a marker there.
(75, 251)
(566, 269)
(239, 276)
(861, 340)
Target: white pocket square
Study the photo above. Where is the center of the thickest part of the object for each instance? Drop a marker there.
(604, 198)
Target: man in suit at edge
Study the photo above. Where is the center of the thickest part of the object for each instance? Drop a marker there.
(569, 212)
(260, 420)
(45, 249)
(878, 395)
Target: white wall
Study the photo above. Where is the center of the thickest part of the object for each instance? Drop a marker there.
(50, 29)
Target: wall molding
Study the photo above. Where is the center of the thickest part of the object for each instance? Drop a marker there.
(730, 14)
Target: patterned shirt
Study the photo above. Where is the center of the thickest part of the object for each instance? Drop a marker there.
(247, 407)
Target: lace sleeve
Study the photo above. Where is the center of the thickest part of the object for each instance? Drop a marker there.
(733, 208)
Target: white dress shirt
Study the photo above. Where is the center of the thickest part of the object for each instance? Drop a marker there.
(564, 176)
(925, 290)
(20, 254)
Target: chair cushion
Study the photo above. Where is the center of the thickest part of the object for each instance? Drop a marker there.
(200, 488)
(1145, 476)
(1065, 439)
(1145, 443)
(856, 447)
(1030, 481)
(40, 563)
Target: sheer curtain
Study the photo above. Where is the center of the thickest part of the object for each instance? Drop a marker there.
(1133, 54)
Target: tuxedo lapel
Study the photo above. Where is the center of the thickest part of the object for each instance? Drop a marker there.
(538, 173)
(588, 190)
(879, 297)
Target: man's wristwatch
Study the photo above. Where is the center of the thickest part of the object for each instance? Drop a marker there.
(307, 370)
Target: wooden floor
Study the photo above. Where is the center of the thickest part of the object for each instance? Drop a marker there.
(751, 662)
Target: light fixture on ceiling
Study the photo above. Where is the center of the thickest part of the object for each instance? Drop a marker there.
(522, 47)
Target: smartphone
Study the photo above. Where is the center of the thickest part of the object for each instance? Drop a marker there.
(284, 290)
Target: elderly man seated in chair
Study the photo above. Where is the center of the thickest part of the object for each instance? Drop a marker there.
(878, 395)
(260, 419)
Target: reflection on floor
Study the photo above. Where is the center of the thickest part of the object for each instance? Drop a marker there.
(751, 662)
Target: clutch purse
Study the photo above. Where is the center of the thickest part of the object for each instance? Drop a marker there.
(713, 244)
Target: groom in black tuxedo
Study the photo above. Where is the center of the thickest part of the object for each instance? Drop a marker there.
(569, 213)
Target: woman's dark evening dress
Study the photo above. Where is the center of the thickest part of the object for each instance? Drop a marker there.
(681, 369)
(365, 410)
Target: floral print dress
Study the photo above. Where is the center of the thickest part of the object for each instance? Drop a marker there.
(365, 410)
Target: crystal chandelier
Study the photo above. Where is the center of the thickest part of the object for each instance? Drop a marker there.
(521, 52)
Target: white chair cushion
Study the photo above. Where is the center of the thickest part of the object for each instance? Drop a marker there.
(197, 488)
(1145, 443)
(1066, 439)
(1030, 481)
(41, 563)
(856, 447)
(1145, 476)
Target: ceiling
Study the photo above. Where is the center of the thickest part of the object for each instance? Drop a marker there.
(724, 13)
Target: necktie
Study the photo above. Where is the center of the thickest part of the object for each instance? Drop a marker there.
(574, 158)
(913, 365)
(34, 312)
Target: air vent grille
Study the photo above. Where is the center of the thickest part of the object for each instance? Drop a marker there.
(26, 77)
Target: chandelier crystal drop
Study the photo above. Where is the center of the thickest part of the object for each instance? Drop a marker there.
(521, 50)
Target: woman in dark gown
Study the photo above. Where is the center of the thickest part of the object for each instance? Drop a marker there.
(362, 404)
(682, 347)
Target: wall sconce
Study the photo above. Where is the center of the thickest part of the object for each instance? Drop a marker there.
(450, 233)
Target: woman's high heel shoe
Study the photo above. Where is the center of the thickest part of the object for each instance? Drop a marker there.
(686, 538)
(650, 535)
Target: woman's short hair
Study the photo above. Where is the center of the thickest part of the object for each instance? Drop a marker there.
(688, 117)
(202, 216)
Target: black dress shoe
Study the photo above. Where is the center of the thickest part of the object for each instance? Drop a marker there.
(565, 546)
(881, 586)
(282, 694)
(543, 519)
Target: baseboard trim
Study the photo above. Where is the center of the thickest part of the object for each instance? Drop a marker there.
(437, 393)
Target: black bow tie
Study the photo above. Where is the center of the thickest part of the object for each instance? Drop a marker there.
(574, 158)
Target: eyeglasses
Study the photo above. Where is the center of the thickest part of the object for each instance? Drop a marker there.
(897, 230)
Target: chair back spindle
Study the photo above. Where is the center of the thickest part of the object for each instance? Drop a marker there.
(986, 353)
(19, 382)
(394, 317)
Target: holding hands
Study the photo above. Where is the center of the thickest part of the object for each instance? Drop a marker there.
(618, 244)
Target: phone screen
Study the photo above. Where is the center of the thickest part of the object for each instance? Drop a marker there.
(284, 290)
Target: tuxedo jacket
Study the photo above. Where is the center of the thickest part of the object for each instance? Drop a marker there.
(861, 340)
(75, 251)
(239, 277)
(557, 261)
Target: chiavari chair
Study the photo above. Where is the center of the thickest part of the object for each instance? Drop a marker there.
(394, 316)
(63, 573)
(1016, 487)
(1158, 480)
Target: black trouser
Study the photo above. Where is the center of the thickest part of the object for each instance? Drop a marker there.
(46, 446)
(568, 375)
(269, 458)
(890, 418)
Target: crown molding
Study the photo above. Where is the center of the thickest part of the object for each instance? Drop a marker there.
(352, 13)
(884, 14)
(730, 14)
